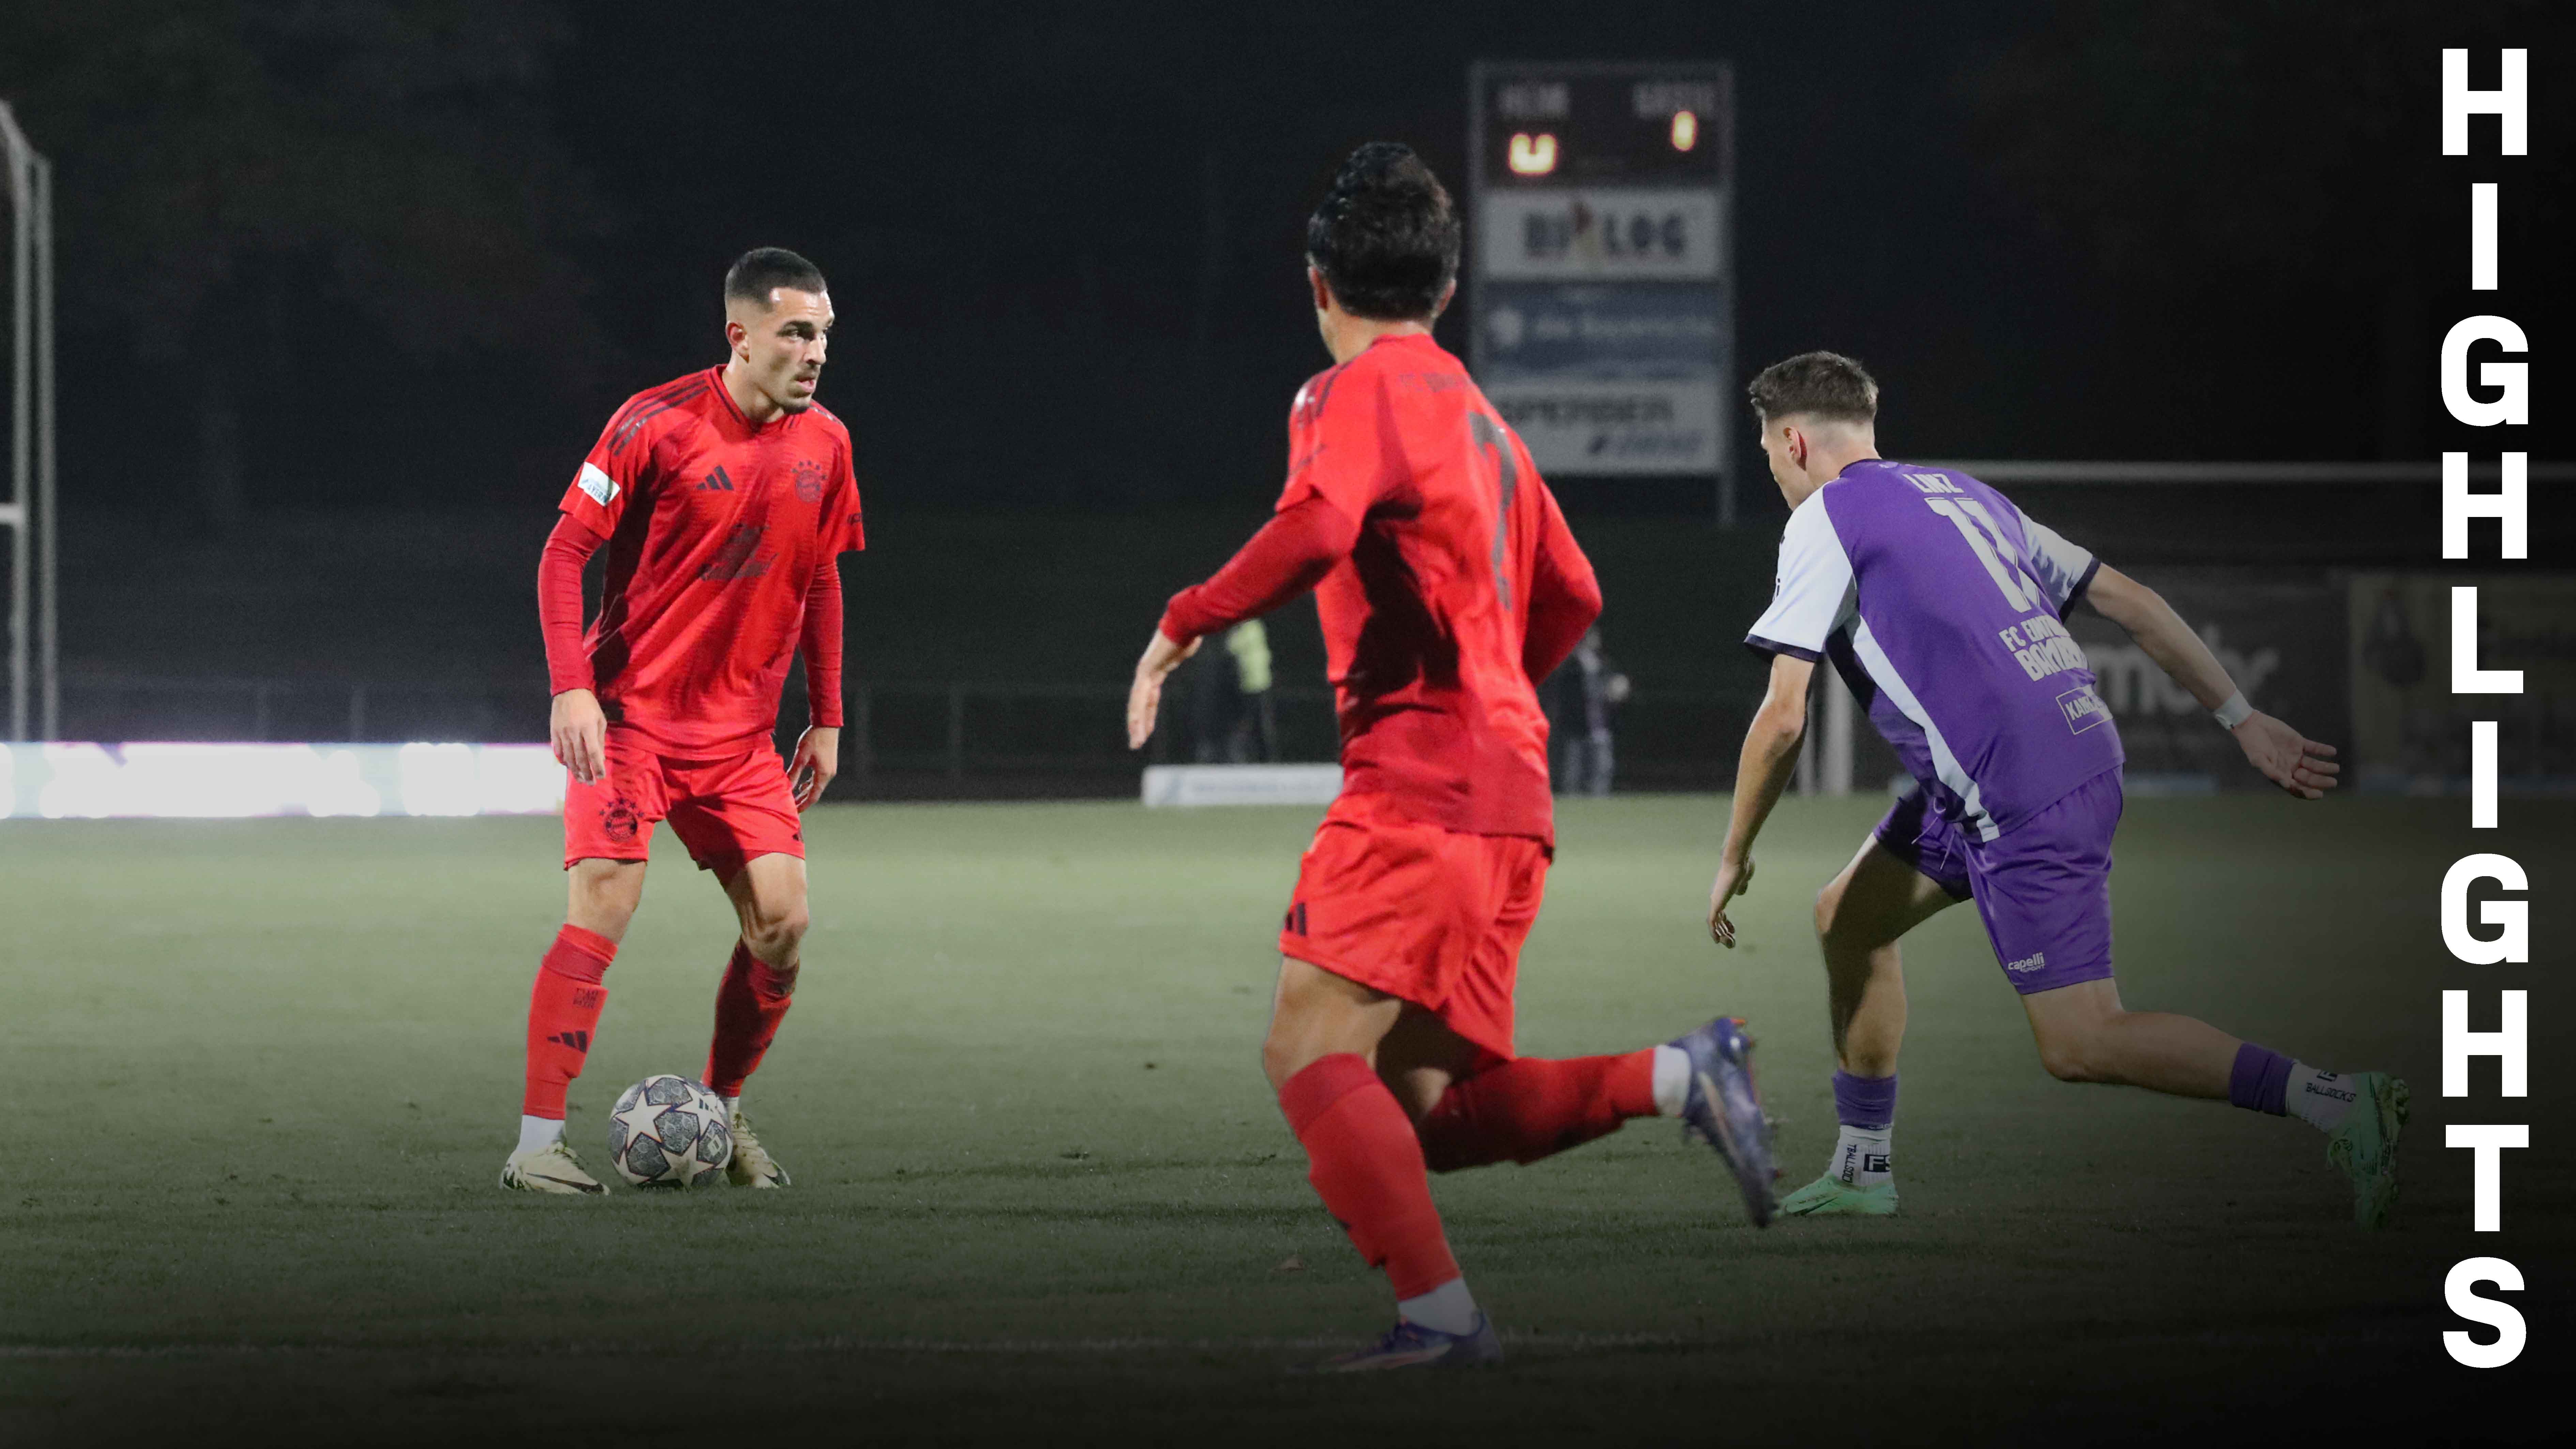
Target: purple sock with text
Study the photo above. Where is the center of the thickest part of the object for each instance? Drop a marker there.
(2260, 1080)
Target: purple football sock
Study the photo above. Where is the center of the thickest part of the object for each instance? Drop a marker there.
(2260, 1080)
(1869, 1103)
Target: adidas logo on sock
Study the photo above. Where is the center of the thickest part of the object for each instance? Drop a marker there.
(578, 1040)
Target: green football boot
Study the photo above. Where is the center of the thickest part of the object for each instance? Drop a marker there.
(2364, 1148)
(1830, 1197)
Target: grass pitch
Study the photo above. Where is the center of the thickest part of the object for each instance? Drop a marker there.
(267, 1072)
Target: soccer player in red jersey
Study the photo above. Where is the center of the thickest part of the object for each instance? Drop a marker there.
(1448, 585)
(724, 500)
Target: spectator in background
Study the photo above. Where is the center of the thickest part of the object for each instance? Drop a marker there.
(1231, 721)
(1256, 731)
(1578, 699)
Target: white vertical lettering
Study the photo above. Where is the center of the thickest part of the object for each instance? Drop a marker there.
(2466, 676)
(2482, 237)
(2482, 774)
(2506, 1043)
(2509, 506)
(2514, 942)
(2487, 1145)
(2514, 377)
(2506, 102)
(2460, 1293)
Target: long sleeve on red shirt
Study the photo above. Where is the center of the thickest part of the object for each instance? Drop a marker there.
(568, 548)
(1565, 598)
(821, 643)
(1291, 554)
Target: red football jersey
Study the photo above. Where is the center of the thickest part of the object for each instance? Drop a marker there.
(1425, 621)
(714, 527)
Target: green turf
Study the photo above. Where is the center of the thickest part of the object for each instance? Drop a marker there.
(270, 1070)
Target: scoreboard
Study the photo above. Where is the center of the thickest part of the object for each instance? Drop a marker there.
(1601, 263)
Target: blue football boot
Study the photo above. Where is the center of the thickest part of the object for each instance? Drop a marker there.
(1724, 1110)
(1410, 1345)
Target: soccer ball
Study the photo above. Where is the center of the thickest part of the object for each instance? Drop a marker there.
(668, 1131)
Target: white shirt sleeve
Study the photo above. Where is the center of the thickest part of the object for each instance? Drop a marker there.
(2062, 568)
(1813, 592)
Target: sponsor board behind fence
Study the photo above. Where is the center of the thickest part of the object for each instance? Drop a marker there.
(2282, 641)
(1242, 784)
(237, 781)
(2410, 731)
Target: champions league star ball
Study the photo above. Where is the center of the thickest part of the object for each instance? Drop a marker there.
(669, 1131)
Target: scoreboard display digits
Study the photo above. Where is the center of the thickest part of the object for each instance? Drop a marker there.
(1602, 315)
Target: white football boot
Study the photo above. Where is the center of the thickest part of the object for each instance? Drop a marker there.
(751, 1164)
(551, 1168)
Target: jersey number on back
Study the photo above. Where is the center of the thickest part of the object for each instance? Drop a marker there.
(2002, 564)
(1488, 433)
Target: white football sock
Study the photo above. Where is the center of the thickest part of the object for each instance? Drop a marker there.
(536, 1134)
(1449, 1308)
(733, 1108)
(1672, 1080)
(2320, 1099)
(1862, 1156)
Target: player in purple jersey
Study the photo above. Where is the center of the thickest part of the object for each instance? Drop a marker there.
(1943, 608)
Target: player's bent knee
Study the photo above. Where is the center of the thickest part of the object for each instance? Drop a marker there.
(776, 937)
(2069, 1061)
(1828, 906)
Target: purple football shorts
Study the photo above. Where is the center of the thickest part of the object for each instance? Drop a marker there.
(2043, 887)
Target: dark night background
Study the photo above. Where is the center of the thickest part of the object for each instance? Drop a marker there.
(348, 288)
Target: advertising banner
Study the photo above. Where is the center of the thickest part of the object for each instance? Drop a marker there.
(1601, 234)
(1646, 425)
(2410, 732)
(2281, 640)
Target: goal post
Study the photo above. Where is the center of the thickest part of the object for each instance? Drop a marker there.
(35, 693)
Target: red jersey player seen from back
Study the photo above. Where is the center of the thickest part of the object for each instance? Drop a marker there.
(1448, 585)
(723, 501)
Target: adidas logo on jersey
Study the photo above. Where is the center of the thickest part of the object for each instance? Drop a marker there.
(717, 482)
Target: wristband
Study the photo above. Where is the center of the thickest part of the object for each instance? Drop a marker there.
(2233, 713)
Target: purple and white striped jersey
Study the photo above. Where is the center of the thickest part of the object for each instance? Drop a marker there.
(1940, 605)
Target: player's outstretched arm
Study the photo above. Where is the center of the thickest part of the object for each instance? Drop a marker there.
(1145, 694)
(1291, 554)
(1761, 773)
(1564, 594)
(2299, 765)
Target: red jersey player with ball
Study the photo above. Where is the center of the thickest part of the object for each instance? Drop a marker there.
(724, 499)
(1448, 585)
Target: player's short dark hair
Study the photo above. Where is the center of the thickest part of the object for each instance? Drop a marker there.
(758, 272)
(1386, 235)
(1822, 384)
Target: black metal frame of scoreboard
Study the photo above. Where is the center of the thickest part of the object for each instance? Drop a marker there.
(1601, 263)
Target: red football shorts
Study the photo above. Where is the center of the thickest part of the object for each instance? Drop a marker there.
(1431, 916)
(724, 811)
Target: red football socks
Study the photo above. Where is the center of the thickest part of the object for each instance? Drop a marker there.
(749, 1005)
(563, 1011)
(1529, 1109)
(1366, 1164)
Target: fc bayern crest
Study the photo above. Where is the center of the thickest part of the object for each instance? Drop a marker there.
(808, 478)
